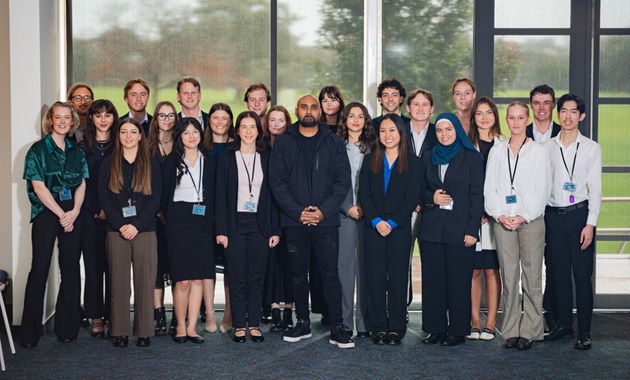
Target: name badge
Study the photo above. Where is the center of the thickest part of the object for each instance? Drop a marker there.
(448, 206)
(510, 199)
(129, 211)
(199, 210)
(65, 194)
(250, 206)
(569, 186)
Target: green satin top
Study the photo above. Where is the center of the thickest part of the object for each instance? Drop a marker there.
(46, 162)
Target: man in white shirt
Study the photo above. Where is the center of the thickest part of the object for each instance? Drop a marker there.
(542, 100)
(137, 96)
(571, 216)
(189, 96)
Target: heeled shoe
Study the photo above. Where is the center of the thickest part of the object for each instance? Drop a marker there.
(224, 327)
(98, 329)
(172, 330)
(240, 338)
(256, 338)
(159, 315)
(180, 339)
(211, 323)
(276, 321)
(195, 339)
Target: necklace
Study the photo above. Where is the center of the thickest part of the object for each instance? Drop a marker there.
(103, 145)
(166, 142)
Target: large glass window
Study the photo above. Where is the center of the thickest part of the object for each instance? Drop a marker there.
(615, 14)
(614, 79)
(532, 14)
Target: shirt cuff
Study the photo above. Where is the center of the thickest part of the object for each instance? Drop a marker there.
(391, 223)
(375, 221)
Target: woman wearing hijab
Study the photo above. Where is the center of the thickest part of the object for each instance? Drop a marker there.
(452, 207)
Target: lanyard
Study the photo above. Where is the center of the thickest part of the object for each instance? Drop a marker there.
(249, 180)
(565, 162)
(518, 154)
(197, 189)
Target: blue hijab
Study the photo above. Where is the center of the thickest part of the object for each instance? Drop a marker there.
(443, 154)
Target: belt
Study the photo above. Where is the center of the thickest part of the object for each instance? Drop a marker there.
(564, 210)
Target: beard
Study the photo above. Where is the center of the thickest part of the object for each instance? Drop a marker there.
(308, 121)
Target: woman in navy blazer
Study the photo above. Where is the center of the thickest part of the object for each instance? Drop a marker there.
(389, 190)
(452, 207)
(247, 223)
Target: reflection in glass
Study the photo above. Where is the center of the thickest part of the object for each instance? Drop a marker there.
(614, 78)
(615, 14)
(425, 51)
(523, 62)
(532, 14)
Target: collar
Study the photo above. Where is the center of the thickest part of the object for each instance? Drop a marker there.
(51, 146)
(580, 138)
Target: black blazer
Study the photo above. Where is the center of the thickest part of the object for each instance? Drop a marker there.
(169, 179)
(227, 193)
(464, 183)
(145, 126)
(429, 141)
(204, 117)
(529, 131)
(403, 192)
(376, 122)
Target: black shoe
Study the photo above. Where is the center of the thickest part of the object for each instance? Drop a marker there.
(559, 332)
(29, 345)
(380, 338)
(65, 340)
(524, 344)
(276, 321)
(121, 341)
(583, 342)
(550, 322)
(363, 334)
(180, 339)
(265, 316)
(302, 330)
(433, 338)
(511, 342)
(340, 338)
(159, 316)
(143, 341)
(258, 338)
(287, 319)
(393, 338)
(240, 338)
(194, 339)
(452, 340)
(172, 329)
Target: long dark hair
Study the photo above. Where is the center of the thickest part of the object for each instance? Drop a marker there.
(367, 139)
(141, 181)
(154, 129)
(495, 130)
(376, 164)
(99, 106)
(260, 141)
(335, 93)
(177, 155)
(208, 143)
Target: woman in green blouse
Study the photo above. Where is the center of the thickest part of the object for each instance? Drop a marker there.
(55, 170)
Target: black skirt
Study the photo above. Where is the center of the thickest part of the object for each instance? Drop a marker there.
(486, 259)
(190, 249)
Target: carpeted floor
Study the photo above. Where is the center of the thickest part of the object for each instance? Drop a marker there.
(315, 358)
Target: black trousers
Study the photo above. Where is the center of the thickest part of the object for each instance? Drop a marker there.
(324, 240)
(446, 281)
(549, 296)
(45, 231)
(95, 261)
(387, 274)
(247, 257)
(563, 242)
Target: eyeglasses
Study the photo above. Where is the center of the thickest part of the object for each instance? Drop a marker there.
(78, 98)
(164, 116)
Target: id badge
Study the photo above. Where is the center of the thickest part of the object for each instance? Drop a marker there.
(510, 199)
(199, 210)
(129, 211)
(250, 206)
(569, 186)
(448, 206)
(65, 194)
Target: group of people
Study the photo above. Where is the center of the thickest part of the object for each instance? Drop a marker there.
(330, 206)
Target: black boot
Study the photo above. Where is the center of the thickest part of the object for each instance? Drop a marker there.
(159, 315)
(172, 330)
(287, 319)
(276, 321)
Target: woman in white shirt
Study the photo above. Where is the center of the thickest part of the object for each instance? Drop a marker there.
(516, 192)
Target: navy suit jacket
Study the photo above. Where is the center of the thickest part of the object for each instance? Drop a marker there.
(376, 122)
(464, 183)
(204, 116)
(145, 126)
(429, 141)
(529, 131)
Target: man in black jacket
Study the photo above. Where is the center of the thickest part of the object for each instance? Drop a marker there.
(310, 178)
